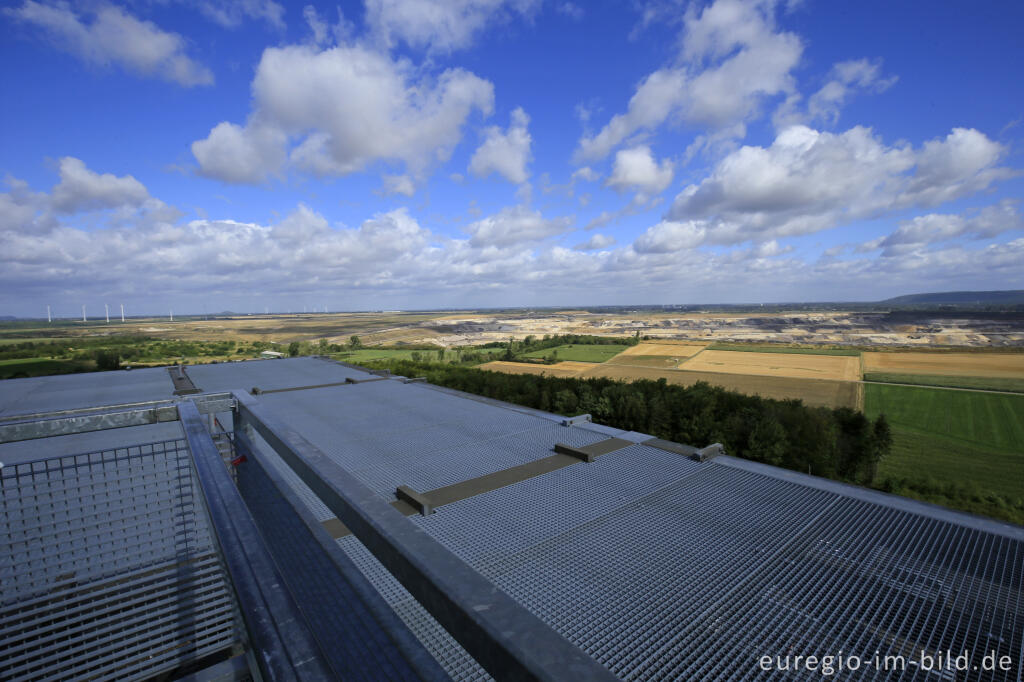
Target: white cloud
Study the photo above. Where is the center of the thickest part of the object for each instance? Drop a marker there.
(506, 153)
(116, 37)
(440, 25)
(670, 236)
(241, 155)
(344, 108)
(391, 257)
(586, 174)
(808, 181)
(636, 169)
(598, 241)
(571, 10)
(732, 58)
(231, 13)
(933, 228)
(317, 26)
(515, 225)
(845, 79)
(81, 189)
(399, 184)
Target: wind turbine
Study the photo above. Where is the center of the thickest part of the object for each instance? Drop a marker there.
(122, 312)
(48, 317)
(83, 312)
(172, 314)
(106, 309)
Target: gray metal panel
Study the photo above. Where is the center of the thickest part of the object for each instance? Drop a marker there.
(110, 439)
(389, 434)
(69, 391)
(108, 567)
(695, 573)
(269, 374)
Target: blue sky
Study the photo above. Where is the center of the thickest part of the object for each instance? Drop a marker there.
(419, 153)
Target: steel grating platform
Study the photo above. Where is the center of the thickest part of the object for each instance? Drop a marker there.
(270, 374)
(664, 568)
(71, 391)
(388, 437)
(108, 568)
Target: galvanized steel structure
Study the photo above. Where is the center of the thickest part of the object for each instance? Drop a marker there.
(329, 522)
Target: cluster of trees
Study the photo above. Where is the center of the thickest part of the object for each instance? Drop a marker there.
(837, 443)
(514, 350)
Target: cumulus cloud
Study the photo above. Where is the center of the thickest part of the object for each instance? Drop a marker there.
(808, 181)
(439, 25)
(515, 225)
(507, 152)
(924, 230)
(636, 168)
(390, 256)
(598, 241)
(670, 236)
(343, 108)
(732, 58)
(81, 189)
(241, 155)
(115, 37)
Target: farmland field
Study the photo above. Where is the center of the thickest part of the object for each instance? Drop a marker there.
(821, 392)
(1009, 384)
(1004, 365)
(661, 361)
(776, 365)
(753, 348)
(559, 369)
(956, 436)
(579, 352)
(675, 350)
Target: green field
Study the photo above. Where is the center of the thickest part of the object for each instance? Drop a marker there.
(982, 383)
(962, 437)
(754, 348)
(578, 352)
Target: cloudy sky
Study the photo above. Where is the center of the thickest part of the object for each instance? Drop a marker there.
(400, 154)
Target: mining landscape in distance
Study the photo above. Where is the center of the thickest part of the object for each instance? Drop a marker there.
(950, 382)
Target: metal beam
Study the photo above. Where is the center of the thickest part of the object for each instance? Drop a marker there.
(98, 419)
(509, 641)
(283, 646)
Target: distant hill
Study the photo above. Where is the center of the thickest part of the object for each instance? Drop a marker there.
(1014, 297)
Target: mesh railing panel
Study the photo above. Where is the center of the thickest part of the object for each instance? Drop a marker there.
(108, 567)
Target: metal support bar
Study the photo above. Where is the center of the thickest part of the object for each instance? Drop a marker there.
(509, 641)
(284, 648)
(114, 417)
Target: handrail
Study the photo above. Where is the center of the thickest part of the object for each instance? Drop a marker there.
(283, 647)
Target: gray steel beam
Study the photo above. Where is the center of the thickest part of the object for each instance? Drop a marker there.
(99, 419)
(283, 647)
(509, 641)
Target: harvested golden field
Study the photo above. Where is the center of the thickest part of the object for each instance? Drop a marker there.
(818, 392)
(662, 361)
(664, 349)
(1006, 365)
(790, 365)
(559, 369)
